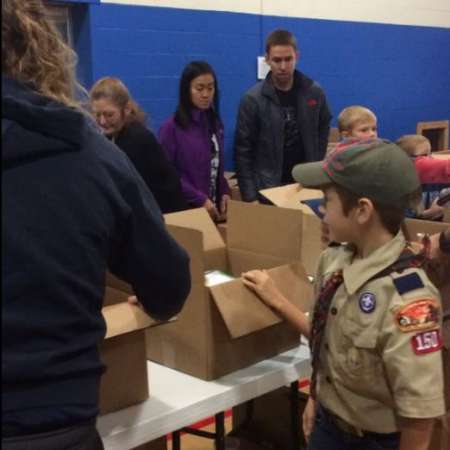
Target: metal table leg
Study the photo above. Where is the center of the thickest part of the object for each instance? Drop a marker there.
(176, 443)
(295, 416)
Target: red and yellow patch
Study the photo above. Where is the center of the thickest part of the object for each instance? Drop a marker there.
(418, 315)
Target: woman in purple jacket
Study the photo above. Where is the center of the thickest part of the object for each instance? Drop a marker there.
(193, 140)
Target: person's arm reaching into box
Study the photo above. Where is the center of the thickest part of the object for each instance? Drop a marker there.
(148, 258)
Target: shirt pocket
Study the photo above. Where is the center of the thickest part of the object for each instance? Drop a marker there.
(361, 357)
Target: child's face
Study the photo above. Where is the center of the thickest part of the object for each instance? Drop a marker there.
(341, 227)
(422, 149)
(366, 129)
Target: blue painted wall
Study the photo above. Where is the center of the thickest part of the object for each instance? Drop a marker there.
(401, 72)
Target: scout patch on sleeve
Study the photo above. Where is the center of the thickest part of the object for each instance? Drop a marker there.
(418, 315)
(426, 342)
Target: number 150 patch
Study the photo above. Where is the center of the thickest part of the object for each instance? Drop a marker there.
(426, 342)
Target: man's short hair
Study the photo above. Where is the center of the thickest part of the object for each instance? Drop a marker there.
(281, 37)
(409, 142)
(352, 115)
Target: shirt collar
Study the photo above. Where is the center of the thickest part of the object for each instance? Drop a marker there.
(362, 270)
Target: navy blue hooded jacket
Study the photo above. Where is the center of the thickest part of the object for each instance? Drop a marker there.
(73, 206)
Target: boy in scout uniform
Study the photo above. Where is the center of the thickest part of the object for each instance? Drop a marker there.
(375, 335)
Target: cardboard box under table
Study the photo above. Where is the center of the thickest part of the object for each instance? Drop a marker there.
(225, 327)
(125, 381)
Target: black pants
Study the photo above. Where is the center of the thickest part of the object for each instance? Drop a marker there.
(81, 437)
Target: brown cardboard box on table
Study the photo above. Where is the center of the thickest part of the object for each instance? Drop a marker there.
(225, 327)
(290, 197)
(125, 381)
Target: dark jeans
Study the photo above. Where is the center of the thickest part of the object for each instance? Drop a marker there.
(81, 437)
(327, 436)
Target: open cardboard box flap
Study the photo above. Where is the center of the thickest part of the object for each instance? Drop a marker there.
(235, 301)
(291, 195)
(124, 318)
(214, 250)
(254, 228)
(198, 219)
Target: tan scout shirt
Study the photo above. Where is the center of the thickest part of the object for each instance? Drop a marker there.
(380, 355)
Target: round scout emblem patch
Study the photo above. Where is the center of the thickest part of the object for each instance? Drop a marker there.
(367, 302)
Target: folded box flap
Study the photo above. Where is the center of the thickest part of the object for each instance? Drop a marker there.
(264, 229)
(415, 228)
(192, 241)
(291, 195)
(124, 318)
(118, 284)
(198, 219)
(244, 313)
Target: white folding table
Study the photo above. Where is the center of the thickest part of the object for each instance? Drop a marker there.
(178, 400)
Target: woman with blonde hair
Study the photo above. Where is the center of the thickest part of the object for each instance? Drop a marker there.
(124, 122)
(72, 206)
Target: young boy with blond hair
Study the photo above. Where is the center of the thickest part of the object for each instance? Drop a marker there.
(357, 122)
(434, 173)
(375, 335)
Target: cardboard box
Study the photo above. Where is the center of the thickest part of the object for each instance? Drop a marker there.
(222, 228)
(226, 327)
(308, 225)
(116, 291)
(125, 381)
(444, 154)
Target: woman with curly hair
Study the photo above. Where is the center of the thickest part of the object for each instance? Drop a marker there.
(72, 206)
(124, 122)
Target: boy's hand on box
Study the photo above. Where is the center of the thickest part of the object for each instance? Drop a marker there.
(260, 282)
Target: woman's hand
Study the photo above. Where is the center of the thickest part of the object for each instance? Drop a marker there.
(309, 416)
(212, 210)
(260, 282)
(224, 207)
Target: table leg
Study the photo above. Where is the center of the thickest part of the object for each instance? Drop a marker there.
(295, 416)
(220, 431)
(176, 443)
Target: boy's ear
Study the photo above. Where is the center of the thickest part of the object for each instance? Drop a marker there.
(364, 210)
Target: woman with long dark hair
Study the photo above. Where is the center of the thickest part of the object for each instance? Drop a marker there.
(193, 140)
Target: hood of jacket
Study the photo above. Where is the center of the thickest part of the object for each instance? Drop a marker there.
(35, 126)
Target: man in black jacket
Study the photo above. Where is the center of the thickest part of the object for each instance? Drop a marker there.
(283, 120)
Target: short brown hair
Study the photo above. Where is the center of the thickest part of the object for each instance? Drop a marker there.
(280, 37)
(391, 217)
(352, 115)
(409, 142)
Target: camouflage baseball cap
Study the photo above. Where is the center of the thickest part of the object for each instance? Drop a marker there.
(373, 168)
